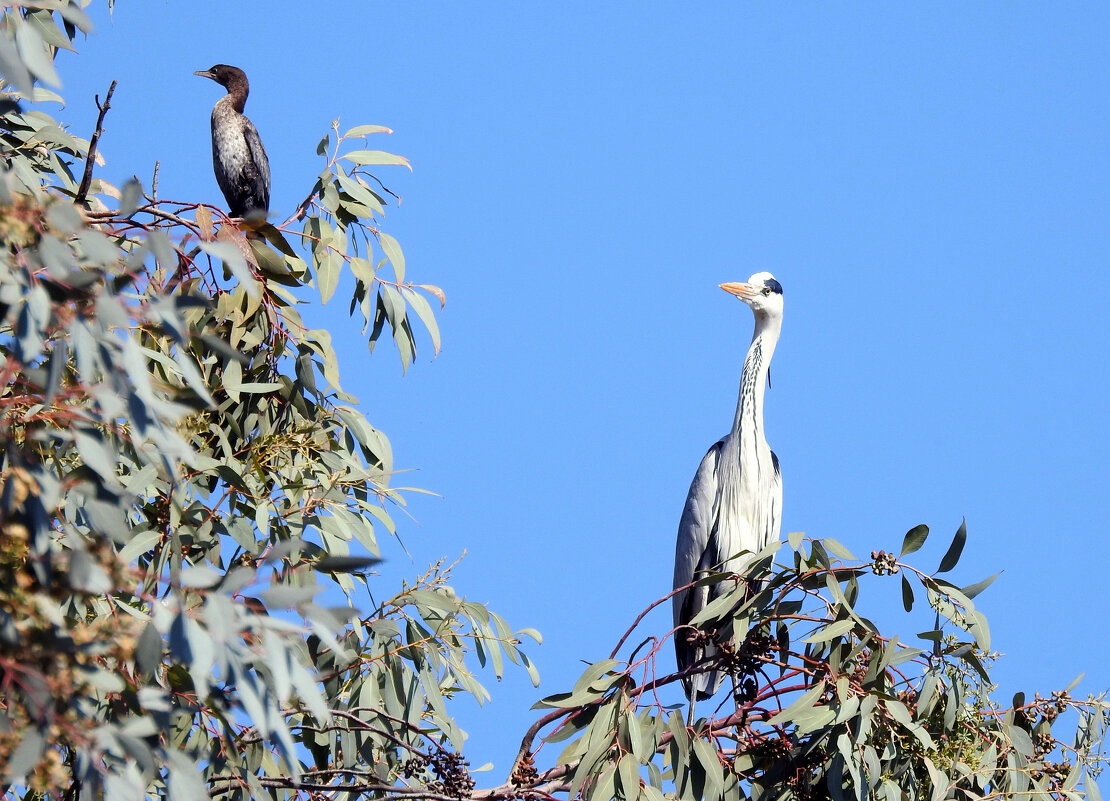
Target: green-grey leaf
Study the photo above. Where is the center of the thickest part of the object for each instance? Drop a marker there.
(285, 596)
(914, 539)
(831, 631)
(184, 782)
(392, 250)
(952, 556)
(366, 130)
(328, 267)
(86, 575)
(344, 564)
(1021, 740)
(148, 651)
(376, 157)
(838, 550)
(907, 594)
(803, 703)
(96, 454)
(230, 255)
(1090, 786)
(35, 55)
(200, 577)
(25, 756)
(14, 70)
(972, 590)
(424, 311)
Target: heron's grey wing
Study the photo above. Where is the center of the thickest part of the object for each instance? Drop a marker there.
(694, 551)
(695, 527)
(259, 162)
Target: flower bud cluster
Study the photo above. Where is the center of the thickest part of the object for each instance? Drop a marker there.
(883, 563)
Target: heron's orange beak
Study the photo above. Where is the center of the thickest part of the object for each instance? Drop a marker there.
(744, 291)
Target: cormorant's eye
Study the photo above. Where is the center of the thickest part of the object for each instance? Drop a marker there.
(766, 290)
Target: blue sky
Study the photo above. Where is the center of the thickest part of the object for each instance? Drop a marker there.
(929, 182)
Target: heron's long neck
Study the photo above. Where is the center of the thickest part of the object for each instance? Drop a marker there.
(753, 380)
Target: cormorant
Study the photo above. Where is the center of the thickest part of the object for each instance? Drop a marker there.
(242, 169)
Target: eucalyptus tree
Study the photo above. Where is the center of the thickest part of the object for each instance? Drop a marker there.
(184, 478)
(825, 706)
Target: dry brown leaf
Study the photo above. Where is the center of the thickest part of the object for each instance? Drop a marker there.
(435, 290)
(229, 233)
(204, 222)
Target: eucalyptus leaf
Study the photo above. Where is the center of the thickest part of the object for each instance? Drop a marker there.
(345, 564)
(952, 555)
(233, 257)
(375, 157)
(972, 590)
(26, 755)
(907, 594)
(831, 631)
(914, 539)
(35, 55)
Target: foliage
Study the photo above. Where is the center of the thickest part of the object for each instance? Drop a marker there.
(191, 509)
(823, 705)
(190, 503)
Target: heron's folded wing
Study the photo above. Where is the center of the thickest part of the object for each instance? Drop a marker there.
(695, 529)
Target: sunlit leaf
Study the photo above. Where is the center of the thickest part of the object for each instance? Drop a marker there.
(424, 312)
(376, 157)
(393, 252)
(366, 130)
(836, 549)
(831, 631)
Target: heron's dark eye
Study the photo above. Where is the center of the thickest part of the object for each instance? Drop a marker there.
(766, 290)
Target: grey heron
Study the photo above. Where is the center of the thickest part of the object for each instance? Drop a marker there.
(734, 506)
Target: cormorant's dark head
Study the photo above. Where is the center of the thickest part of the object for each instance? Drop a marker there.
(231, 78)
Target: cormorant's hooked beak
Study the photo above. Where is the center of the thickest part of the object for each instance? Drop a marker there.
(742, 290)
(205, 74)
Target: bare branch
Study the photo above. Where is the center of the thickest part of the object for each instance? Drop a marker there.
(90, 158)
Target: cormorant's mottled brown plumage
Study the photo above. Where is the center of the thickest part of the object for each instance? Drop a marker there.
(242, 169)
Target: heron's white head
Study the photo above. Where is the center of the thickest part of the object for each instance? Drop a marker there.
(762, 292)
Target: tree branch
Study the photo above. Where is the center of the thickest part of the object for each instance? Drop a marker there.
(301, 211)
(90, 158)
